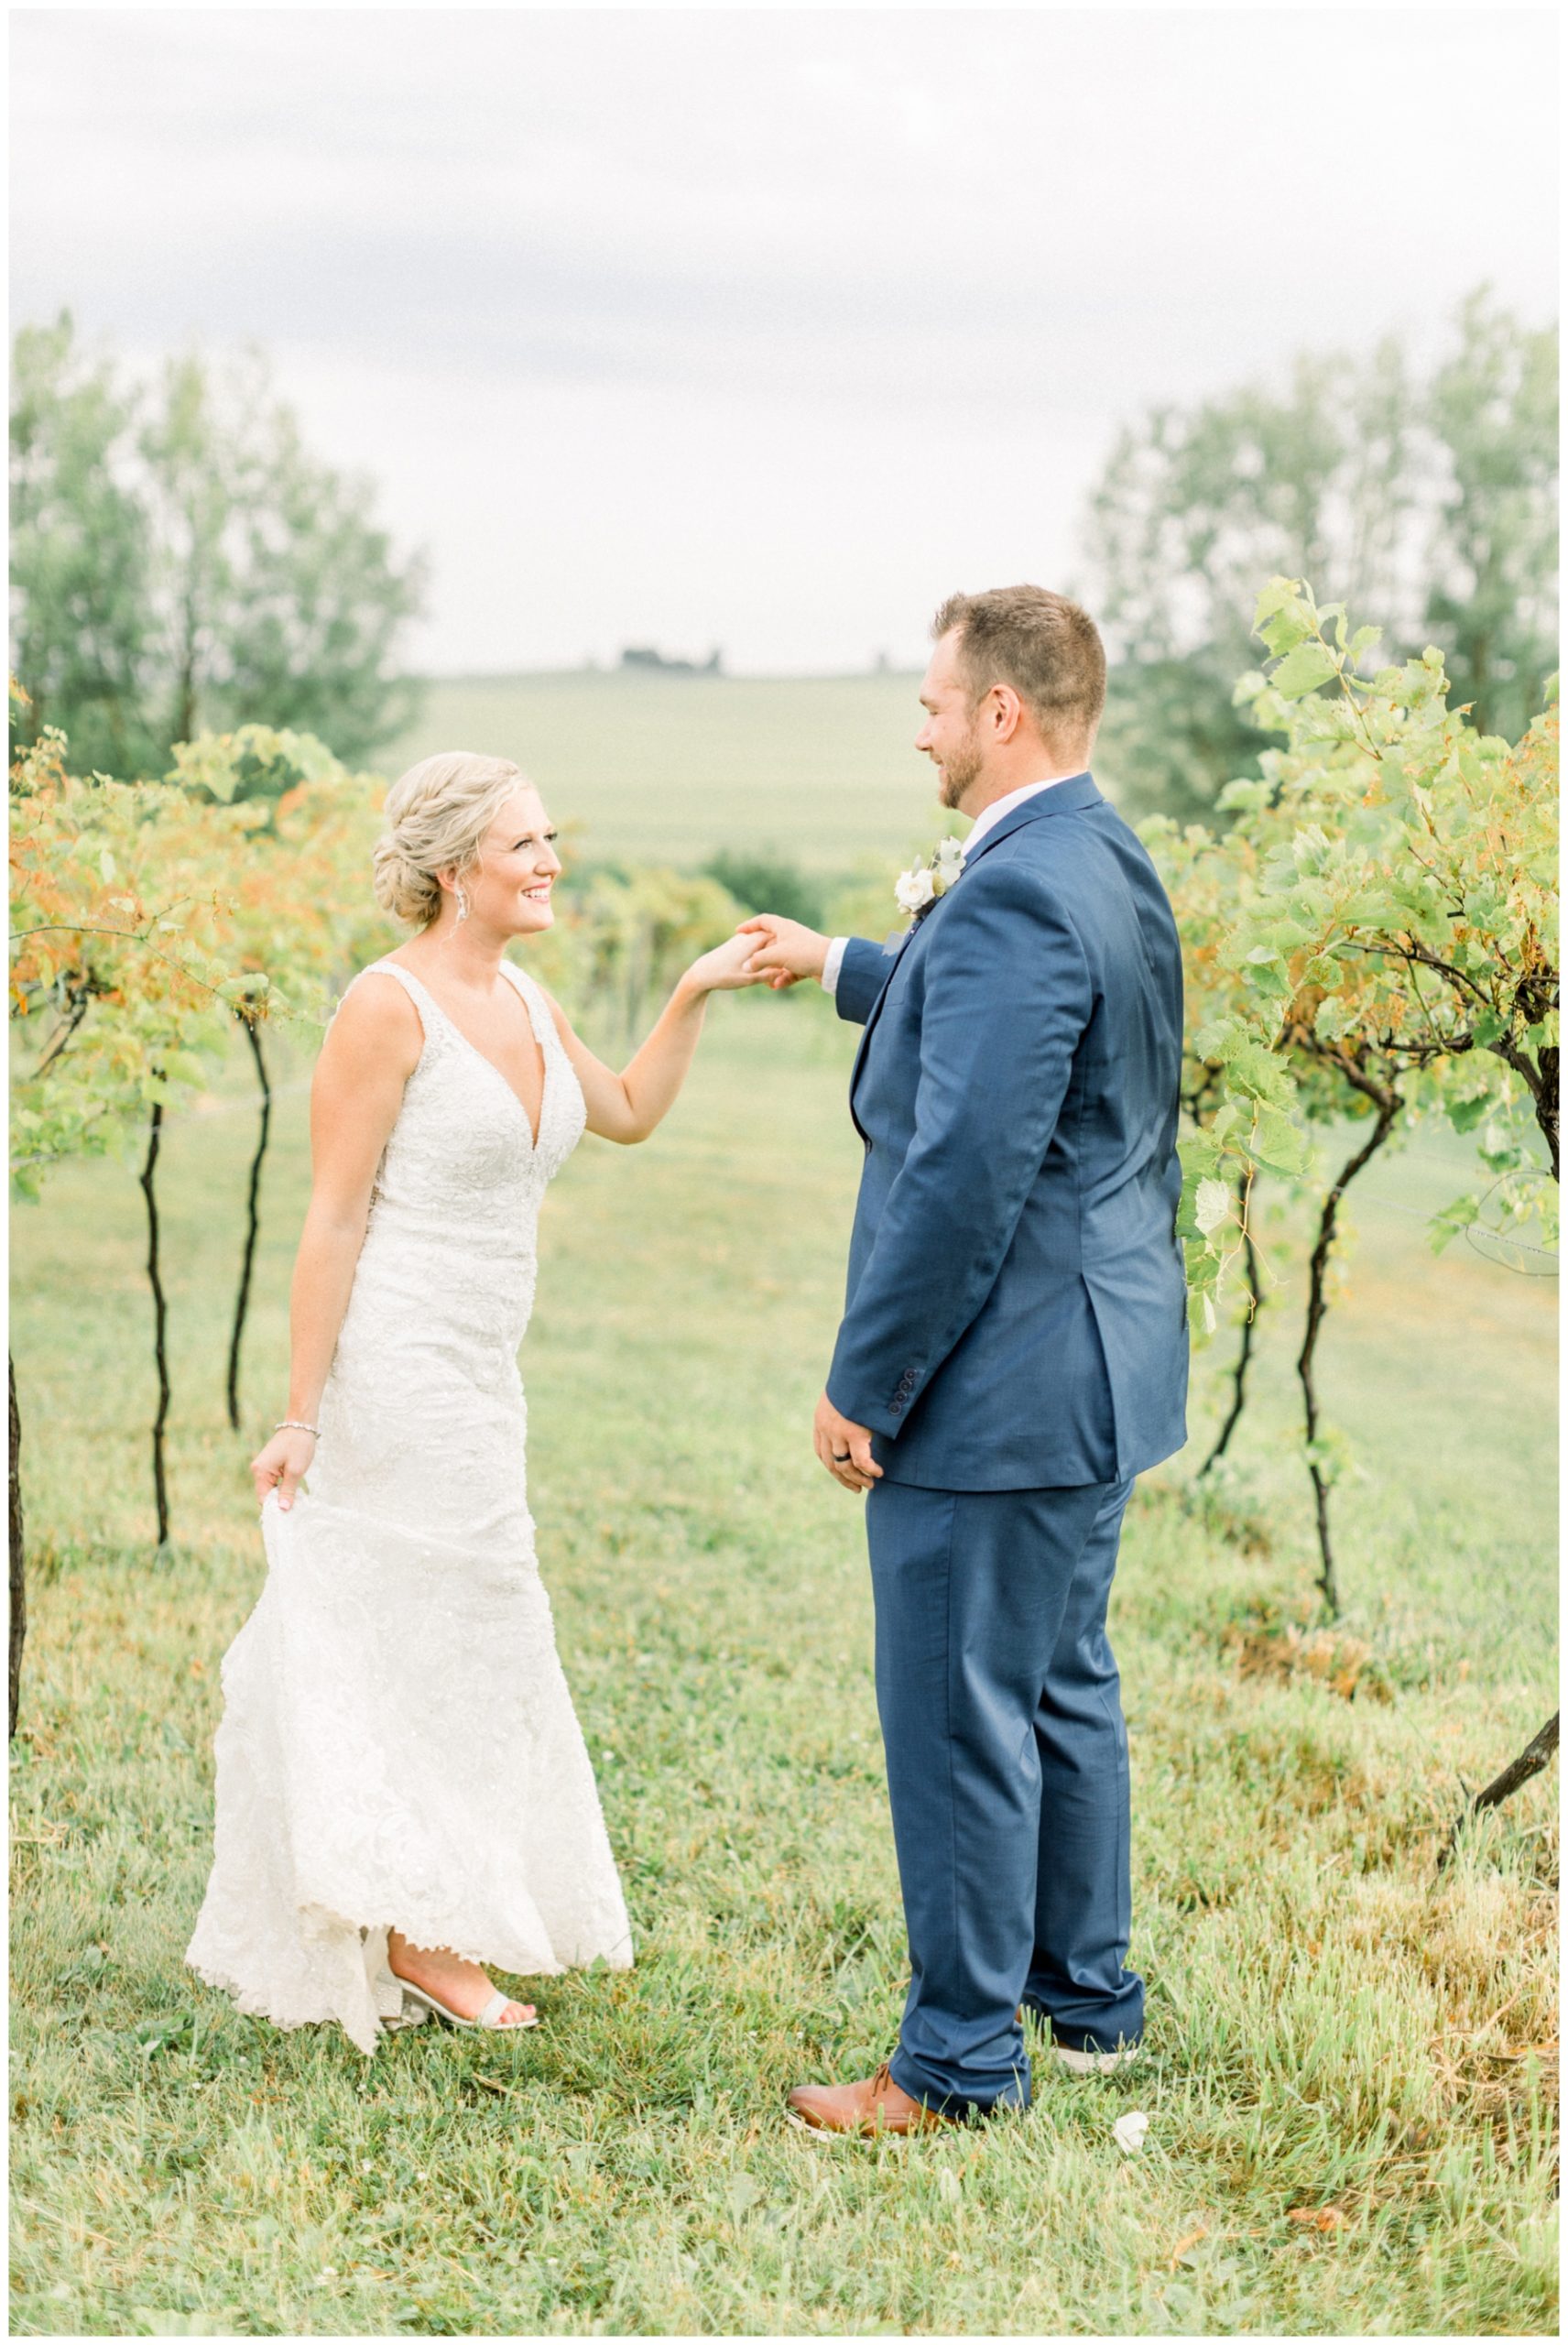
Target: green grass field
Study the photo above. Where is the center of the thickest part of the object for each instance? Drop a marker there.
(671, 768)
(1350, 2076)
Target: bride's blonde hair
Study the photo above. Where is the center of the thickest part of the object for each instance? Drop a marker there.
(436, 813)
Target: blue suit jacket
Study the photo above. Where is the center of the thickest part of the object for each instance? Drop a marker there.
(1016, 1316)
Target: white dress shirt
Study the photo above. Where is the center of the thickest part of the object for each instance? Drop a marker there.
(985, 820)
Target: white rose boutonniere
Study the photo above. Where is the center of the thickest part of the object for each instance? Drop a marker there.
(915, 890)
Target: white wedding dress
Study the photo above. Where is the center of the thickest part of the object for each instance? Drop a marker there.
(399, 1747)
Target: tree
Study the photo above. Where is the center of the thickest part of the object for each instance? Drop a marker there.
(1492, 408)
(182, 562)
(146, 916)
(80, 556)
(1381, 917)
(1433, 503)
(117, 937)
(277, 597)
(1410, 873)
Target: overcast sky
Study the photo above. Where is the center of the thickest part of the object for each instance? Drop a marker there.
(760, 328)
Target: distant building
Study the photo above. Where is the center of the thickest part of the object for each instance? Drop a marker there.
(643, 655)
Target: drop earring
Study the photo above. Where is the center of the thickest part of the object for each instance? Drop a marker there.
(462, 904)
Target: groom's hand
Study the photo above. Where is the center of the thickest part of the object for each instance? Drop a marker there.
(845, 1447)
(785, 951)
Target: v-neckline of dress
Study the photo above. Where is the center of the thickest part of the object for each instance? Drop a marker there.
(515, 1098)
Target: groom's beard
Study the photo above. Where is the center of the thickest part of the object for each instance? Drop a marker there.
(962, 768)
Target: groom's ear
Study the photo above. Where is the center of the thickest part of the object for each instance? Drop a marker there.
(1004, 711)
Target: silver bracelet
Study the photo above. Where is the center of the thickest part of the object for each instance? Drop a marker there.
(297, 1424)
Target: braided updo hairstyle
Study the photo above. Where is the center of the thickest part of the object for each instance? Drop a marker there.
(436, 813)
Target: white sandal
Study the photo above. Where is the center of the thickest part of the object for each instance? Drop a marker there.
(488, 2016)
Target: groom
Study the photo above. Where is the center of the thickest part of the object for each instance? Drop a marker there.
(1013, 1352)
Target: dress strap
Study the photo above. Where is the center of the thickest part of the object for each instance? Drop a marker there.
(429, 1010)
(535, 1003)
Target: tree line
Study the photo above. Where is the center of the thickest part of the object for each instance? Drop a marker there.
(1425, 493)
(180, 563)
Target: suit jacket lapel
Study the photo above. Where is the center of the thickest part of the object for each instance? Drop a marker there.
(1072, 796)
(865, 1031)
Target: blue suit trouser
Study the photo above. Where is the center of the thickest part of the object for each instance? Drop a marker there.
(1007, 1776)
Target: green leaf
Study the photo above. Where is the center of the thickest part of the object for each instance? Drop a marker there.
(1303, 670)
(1285, 629)
(1446, 1225)
(1212, 1205)
(1278, 1142)
(1199, 1153)
(1269, 979)
(1277, 595)
(1201, 1314)
(1466, 1114)
(1215, 1039)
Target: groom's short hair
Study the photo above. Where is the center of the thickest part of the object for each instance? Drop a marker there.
(1047, 649)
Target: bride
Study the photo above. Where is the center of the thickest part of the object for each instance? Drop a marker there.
(403, 1793)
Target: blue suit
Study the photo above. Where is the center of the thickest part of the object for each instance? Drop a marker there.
(1015, 1336)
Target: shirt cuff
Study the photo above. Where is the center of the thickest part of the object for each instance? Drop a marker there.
(832, 965)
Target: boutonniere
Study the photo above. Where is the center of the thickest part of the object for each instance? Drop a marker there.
(915, 890)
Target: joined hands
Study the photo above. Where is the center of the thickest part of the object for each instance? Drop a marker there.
(727, 969)
(785, 951)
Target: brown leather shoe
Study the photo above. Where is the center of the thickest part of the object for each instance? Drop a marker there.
(875, 2105)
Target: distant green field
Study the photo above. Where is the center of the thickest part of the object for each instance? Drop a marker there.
(671, 768)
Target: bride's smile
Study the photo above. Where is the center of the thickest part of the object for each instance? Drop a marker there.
(508, 889)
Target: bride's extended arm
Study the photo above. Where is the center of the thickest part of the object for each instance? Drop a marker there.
(371, 1049)
(627, 1107)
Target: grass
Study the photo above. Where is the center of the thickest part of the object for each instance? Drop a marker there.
(1350, 2074)
(671, 768)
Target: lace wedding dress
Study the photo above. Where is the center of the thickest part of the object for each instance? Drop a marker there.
(399, 1749)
